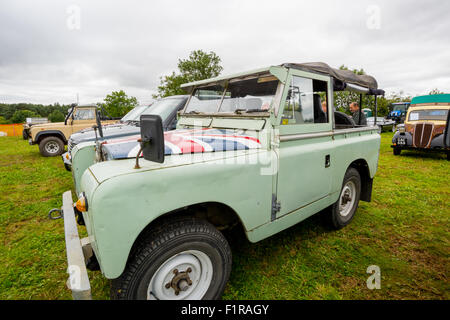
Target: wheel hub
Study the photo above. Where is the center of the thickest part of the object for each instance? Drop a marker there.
(180, 281)
(346, 198)
(52, 147)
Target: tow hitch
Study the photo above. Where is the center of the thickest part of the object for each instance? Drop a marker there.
(59, 214)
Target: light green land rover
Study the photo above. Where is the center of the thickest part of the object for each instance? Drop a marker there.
(253, 149)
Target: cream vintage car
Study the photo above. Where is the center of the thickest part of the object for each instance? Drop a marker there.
(425, 126)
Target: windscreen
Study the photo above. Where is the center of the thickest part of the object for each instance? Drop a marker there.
(164, 108)
(400, 107)
(254, 95)
(134, 114)
(438, 115)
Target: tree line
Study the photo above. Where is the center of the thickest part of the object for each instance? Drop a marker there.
(199, 65)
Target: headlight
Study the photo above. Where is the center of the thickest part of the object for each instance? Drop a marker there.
(82, 204)
(402, 129)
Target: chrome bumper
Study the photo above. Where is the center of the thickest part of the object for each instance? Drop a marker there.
(76, 250)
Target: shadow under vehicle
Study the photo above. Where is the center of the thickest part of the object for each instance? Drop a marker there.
(425, 127)
(253, 149)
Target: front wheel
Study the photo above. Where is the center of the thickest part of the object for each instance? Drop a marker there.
(397, 151)
(183, 258)
(343, 210)
(51, 147)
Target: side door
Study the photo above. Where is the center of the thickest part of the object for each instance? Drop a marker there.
(83, 118)
(306, 142)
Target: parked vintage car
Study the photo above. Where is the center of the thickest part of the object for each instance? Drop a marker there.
(424, 127)
(252, 149)
(81, 146)
(51, 137)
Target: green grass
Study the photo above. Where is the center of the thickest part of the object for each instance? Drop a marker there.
(404, 231)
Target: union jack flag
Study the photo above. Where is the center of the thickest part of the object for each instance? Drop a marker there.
(185, 141)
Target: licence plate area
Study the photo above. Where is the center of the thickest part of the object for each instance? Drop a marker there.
(401, 141)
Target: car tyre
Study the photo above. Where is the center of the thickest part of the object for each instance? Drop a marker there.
(51, 146)
(189, 249)
(343, 210)
(397, 151)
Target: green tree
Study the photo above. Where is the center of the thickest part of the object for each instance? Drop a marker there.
(117, 104)
(21, 115)
(56, 116)
(3, 120)
(199, 66)
(435, 91)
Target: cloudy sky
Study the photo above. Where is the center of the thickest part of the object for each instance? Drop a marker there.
(50, 51)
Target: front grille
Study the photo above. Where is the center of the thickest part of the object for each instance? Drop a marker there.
(70, 146)
(422, 135)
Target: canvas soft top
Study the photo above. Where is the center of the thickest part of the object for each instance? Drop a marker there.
(345, 76)
(342, 77)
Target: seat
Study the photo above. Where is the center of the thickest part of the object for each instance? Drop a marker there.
(343, 121)
(319, 115)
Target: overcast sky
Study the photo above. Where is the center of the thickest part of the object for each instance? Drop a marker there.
(52, 50)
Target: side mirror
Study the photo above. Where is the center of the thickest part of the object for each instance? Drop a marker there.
(152, 138)
(99, 124)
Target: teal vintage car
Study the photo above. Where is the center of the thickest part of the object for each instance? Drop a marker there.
(252, 149)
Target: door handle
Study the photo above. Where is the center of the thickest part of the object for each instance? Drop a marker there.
(327, 161)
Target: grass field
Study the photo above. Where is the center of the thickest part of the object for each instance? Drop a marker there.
(404, 231)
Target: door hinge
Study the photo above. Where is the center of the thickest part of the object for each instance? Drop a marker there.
(276, 207)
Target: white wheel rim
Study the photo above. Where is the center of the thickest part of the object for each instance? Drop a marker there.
(347, 198)
(51, 147)
(201, 275)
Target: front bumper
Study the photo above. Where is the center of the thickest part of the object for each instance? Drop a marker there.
(433, 150)
(77, 252)
(67, 159)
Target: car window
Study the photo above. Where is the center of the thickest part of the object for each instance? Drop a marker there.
(303, 104)
(134, 113)
(164, 108)
(84, 114)
(417, 115)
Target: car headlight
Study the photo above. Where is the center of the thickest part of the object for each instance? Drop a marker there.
(82, 204)
(402, 129)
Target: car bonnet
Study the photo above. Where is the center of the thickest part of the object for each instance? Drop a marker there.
(184, 141)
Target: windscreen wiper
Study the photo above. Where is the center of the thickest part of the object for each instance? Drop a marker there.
(194, 112)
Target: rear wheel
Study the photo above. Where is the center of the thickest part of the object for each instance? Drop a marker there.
(343, 210)
(51, 146)
(184, 258)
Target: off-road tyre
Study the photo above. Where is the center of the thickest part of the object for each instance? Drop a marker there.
(171, 237)
(51, 146)
(352, 180)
